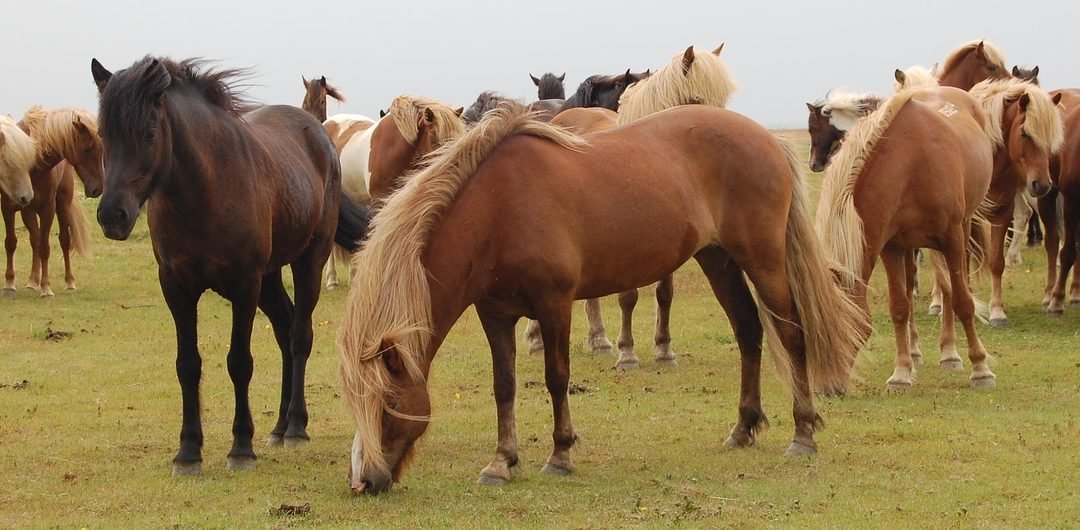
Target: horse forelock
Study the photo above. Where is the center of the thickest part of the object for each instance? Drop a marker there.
(18, 150)
(845, 108)
(551, 87)
(389, 302)
(708, 82)
(407, 111)
(838, 223)
(1043, 122)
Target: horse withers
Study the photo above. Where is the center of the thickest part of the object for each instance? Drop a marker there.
(234, 194)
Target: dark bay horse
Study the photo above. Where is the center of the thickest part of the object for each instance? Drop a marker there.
(602, 90)
(712, 185)
(1066, 167)
(549, 86)
(60, 135)
(233, 195)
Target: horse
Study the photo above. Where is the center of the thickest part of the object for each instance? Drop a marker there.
(1067, 170)
(60, 134)
(971, 63)
(413, 128)
(451, 238)
(234, 192)
(1030, 133)
(911, 175)
(342, 129)
(830, 118)
(489, 100)
(17, 156)
(1025, 218)
(1030, 75)
(549, 86)
(602, 90)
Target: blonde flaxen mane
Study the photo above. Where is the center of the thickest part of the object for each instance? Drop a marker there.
(18, 151)
(55, 129)
(992, 52)
(407, 113)
(389, 302)
(1043, 122)
(707, 81)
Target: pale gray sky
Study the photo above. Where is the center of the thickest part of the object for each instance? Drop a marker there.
(782, 54)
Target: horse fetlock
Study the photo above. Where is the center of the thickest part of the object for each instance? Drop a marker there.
(599, 344)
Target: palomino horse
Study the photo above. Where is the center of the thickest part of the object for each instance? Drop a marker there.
(232, 198)
(412, 128)
(549, 86)
(59, 134)
(602, 90)
(451, 238)
(341, 131)
(1067, 166)
(17, 156)
(910, 175)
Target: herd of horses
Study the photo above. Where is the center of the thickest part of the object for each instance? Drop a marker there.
(519, 209)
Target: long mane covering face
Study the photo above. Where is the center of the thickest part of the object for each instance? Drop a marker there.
(1043, 122)
(838, 223)
(706, 81)
(407, 111)
(389, 303)
(18, 151)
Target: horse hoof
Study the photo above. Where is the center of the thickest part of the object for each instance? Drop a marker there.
(9, 292)
(186, 469)
(536, 350)
(275, 440)
(1000, 323)
(296, 442)
(898, 385)
(951, 365)
(550, 469)
(47, 293)
(606, 349)
(984, 383)
(800, 449)
(916, 358)
(737, 443)
(667, 362)
(934, 310)
(240, 463)
(623, 365)
(491, 480)
(71, 289)
(1074, 304)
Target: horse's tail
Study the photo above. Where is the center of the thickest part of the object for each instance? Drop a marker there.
(979, 239)
(353, 221)
(79, 232)
(834, 327)
(941, 275)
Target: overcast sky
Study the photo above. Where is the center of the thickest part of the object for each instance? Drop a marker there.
(782, 54)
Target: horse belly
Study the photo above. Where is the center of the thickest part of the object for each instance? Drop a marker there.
(354, 168)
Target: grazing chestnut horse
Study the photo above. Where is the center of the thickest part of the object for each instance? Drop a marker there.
(59, 134)
(830, 118)
(451, 238)
(233, 196)
(911, 175)
(315, 93)
(602, 90)
(549, 86)
(412, 128)
(17, 156)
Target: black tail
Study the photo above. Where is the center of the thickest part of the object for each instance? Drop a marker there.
(353, 221)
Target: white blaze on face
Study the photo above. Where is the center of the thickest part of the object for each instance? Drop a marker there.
(357, 469)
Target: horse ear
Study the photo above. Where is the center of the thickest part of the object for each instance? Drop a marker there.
(304, 79)
(158, 77)
(1016, 71)
(981, 49)
(429, 115)
(1035, 71)
(382, 113)
(1024, 100)
(687, 59)
(900, 76)
(459, 111)
(322, 81)
(1056, 99)
(812, 108)
(101, 75)
(934, 70)
(718, 49)
(562, 77)
(535, 80)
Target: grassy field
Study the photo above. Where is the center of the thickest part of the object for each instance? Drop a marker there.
(90, 416)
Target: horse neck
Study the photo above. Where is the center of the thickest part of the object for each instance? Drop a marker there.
(198, 131)
(46, 157)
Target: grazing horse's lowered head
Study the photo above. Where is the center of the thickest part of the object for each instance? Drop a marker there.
(549, 86)
(17, 157)
(1031, 75)
(830, 119)
(315, 96)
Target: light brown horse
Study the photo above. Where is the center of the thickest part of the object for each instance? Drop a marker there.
(911, 175)
(712, 185)
(413, 128)
(1067, 170)
(60, 134)
(971, 63)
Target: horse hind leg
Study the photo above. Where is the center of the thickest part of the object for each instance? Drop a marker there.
(627, 360)
(555, 326)
(307, 280)
(1071, 222)
(597, 340)
(911, 269)
(1021, 216)
(500, 334)
(949, 359)
(665, 291)
(275, 303)
(533, 337)
(981, 376)
(63, 220)
(894, 261)
(729, 286)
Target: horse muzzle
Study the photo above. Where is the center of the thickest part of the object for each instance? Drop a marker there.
(116, 221)
(372, 483)
(1038, 189)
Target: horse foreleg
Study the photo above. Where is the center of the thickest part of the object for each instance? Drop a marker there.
(1021, 216)
(894, 261)
(500, 334)
(627, 360)
(998, 318)
(981, 376)
(331, 270)
(63, 221)
(275, 303)
(1071, 223)
(597, 340)
(1048, 211)
(729, 286)
(665, 291)
(47, 215)
(306, 276)
(183, 305)
(245, 296)
(555, 326)
(935, 298)
(33, 232)
(11, 243)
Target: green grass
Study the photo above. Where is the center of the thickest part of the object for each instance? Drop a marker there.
(88, 442)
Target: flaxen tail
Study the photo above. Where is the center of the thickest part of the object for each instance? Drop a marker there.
(80, 233)
(834, 327)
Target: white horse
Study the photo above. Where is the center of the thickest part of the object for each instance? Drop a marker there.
(351, 135)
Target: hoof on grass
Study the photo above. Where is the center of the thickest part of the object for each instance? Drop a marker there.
(627, 364)
(240, 463)
(800, 449)
(738, 442)
(295, 442)
(491, 480)
(275, 440)
(1000, 323)
(898, 385)
(9, 292)
(550, 469)
(186, 469)
(951, 365)
(984, 383)
(667, 362)
(935, 310)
